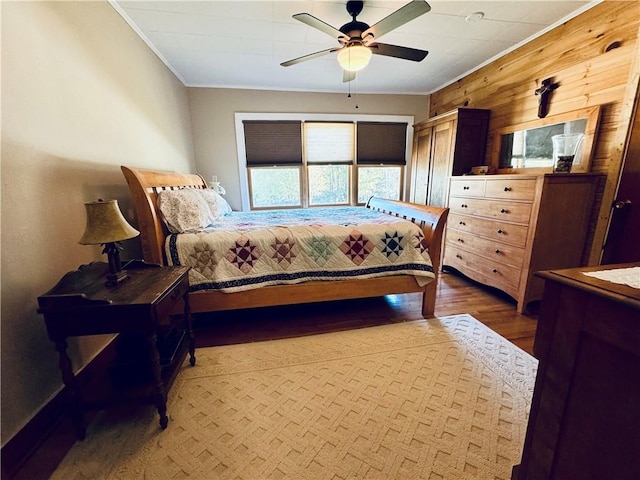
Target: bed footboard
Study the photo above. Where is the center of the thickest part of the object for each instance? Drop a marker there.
(432, 221)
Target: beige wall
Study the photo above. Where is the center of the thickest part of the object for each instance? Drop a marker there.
(81, 95)
(212, 116)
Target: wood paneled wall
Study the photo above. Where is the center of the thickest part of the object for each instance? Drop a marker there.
(594, 59)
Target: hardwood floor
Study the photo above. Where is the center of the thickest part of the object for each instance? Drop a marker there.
(456, 294)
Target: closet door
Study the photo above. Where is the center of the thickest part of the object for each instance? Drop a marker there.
(441, 163)
(421, 161)
(623, 236)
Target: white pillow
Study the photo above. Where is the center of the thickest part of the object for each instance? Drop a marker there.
(218, 205)
(185, 210)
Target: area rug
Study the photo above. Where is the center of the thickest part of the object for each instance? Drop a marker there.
(444, 398)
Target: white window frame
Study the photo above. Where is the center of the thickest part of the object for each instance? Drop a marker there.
(321, 117)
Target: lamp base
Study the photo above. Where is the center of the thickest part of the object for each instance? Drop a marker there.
(114, 279)
(116, 275)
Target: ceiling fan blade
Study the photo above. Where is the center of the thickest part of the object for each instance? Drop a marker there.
(311, 56)
(398, 18)
(348, 76)
(405, 53)
(320, 25)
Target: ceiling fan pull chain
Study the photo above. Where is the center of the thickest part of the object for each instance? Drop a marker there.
(356, 92)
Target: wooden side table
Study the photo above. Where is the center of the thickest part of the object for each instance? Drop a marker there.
(81, 304)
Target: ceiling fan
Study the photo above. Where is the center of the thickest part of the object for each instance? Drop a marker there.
(358, 40)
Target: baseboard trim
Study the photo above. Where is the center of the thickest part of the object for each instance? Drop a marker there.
(17, 454)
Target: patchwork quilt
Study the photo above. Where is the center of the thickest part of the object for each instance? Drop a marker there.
(246, 250)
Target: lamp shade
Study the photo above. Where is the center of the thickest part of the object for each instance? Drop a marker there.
(105, 224)
(354, 58)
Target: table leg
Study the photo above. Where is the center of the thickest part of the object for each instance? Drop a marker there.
(69, 379)
(159, 394)
(189, 324)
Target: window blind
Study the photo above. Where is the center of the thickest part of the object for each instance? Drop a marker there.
(329, 143)
(273, 142)
(381, 143)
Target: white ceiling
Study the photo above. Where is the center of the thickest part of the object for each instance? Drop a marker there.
(240, 44)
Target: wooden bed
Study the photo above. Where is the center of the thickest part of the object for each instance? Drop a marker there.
(145, 185)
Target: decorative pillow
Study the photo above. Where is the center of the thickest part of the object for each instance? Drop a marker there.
(185, 210)
(218, 205)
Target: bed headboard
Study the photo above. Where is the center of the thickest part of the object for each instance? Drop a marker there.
(145, 186)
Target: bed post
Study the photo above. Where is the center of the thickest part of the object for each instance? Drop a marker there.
(435, 250)
(429, 298)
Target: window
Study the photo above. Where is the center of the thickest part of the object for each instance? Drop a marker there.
(274, 161)
(381, 159)
(329, 153)
(309, 162)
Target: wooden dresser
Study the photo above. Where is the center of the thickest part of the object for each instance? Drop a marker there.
(585, 412)
(503, 228)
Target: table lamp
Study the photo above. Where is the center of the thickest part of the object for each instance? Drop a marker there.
(106, 226)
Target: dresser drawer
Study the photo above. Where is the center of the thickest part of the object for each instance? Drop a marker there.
(513, 189)
(492, 229)
(518, 212)
(497, 252)
(463, 187)
(169, 302)
(489, 272)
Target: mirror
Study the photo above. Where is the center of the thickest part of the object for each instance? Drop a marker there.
(528, 145)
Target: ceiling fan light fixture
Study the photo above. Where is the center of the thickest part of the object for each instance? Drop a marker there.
(354, 58)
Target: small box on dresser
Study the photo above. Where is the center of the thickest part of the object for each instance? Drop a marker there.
(504, 228)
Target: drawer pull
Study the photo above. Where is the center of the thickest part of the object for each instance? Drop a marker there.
(463, 205)
(495, 270)
(458, 255)
(500, 231)
(498, 251)
(504, 210)
(461, 240)
(507, 189)
(465, 188)
(461, 223)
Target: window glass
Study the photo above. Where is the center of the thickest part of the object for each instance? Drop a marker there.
(275, 187)
(329, 184)
(383, 182)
